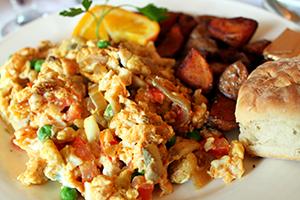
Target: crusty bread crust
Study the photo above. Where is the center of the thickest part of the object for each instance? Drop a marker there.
(271, 91)
(268, 110)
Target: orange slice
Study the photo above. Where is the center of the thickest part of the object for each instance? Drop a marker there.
(119, 25)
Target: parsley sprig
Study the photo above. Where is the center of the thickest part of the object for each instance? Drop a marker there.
(154, 13)
(72, 12)
(151, 11)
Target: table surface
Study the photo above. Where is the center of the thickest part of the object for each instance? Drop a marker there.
(7, 13)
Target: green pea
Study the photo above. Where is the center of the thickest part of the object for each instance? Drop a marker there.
(171, 142)
(45, 132)
(103, 44)
(108, 113)
(36, 64)
(194, 135)
(67, 193)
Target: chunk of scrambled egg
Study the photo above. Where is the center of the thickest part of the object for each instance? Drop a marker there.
(229, 167)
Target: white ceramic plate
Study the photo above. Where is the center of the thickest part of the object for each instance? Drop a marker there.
(270, 179)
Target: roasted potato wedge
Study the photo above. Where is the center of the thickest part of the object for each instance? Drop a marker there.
(172, 43)
(256, 47)
(231, 55)
(187, 23)
(222, 114)
(195, 71)
(217, 68)
(167, 24)
(254, 52)
(205, 19)
(200, 40)
(235, 32)
(232, 79)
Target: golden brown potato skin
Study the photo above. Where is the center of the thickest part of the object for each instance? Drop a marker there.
(257, 47)
(167, 24)
(218, 68)
(172, 43)
(187, 23)
(235, 32)
(222, 113)
(200, 40)
(195, 71)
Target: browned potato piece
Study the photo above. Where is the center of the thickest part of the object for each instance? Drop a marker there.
(232, 55)
(171, 43)
(200, 40)
(232, 79)
(204, 19)
(167, 24)
(256, 47)
(222, 114)
(187, 23)
(217, 68)
(195, 71)
(254, 52)
(234, 31)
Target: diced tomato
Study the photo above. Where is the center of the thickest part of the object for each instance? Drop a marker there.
(74, 112)
(82, 149)
(30, 84)
(222, 147)
(145, 189)
(114, 142)
(88, 171)
(156, 96)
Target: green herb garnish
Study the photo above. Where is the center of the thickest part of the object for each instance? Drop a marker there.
(72, 12)
(44, 133)
(86, 4)
(154, 13)
(194, 135)
(67, 193)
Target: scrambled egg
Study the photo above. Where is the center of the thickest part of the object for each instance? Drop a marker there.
(229, 167)
(112, 114)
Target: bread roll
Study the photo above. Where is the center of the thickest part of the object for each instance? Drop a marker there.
(268, 110)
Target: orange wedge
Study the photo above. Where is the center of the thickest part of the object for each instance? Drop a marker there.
(119, 25)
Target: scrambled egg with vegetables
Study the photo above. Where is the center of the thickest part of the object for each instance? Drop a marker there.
(110, 122)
